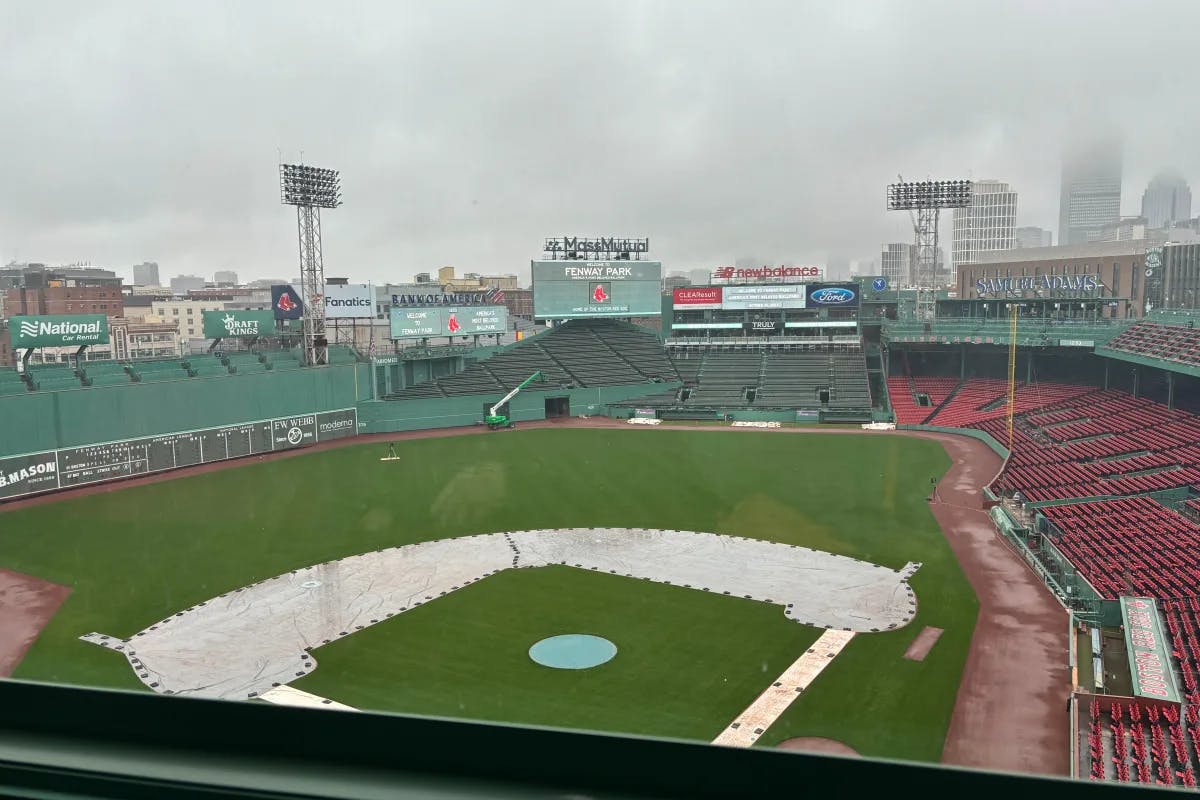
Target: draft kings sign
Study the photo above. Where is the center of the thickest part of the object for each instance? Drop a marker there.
(238, 324)
(1146, 645)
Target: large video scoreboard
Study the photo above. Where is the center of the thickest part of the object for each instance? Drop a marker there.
(570, 289)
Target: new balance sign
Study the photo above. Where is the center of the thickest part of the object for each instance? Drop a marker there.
(59, 329)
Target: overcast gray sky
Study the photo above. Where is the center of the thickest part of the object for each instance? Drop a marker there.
(466, 132)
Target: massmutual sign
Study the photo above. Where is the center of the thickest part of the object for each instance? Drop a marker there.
(58, 330)
(237, 324)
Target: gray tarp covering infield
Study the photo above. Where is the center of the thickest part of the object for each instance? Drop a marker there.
(245, 642)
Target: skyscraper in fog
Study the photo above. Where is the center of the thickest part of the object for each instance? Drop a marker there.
(1167, 199)
(145, 274)
(897, 263)
(1091, 191)
(1032, 236)
(988, 223)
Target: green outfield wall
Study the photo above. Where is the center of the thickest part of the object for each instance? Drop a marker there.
(40, 421)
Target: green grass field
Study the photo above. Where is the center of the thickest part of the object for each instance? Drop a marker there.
(688, 661)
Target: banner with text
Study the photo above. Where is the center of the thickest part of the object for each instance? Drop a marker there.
(420, 323)
(353, 301)
(236, 324)
(75, 466)
(696, 299)
(572, 289)
(764, 296)
(1147, 646)
(58, 330)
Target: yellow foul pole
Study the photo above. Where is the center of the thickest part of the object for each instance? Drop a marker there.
(1012, 371)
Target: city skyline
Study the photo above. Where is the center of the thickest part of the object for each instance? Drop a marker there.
(472, 161)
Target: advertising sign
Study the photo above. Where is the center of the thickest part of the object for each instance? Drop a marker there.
(763, 274)
(94, 463)
(1074, 284)
(237, 324)
(419, 323)
(1147, 646)
(572, 289)
(764, 296)
(833, 295)
(286, 302)
(696, 299)
(420, 296)
(56, 330)
(353, 301)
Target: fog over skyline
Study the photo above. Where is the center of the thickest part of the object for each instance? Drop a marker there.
(467, 132)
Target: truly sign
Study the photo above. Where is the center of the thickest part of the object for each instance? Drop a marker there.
(1146, 644)
(58, 329)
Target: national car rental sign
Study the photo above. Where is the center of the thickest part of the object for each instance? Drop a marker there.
(58, 330)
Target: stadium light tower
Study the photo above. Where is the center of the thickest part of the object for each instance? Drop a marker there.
(310, 189)
(925, 200)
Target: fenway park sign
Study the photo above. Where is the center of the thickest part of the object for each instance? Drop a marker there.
(750, 274)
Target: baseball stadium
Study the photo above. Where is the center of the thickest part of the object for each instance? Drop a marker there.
(783, 514)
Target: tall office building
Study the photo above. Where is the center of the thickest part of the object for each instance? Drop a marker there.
(897, 263)
(1032, 236)
(1167, 200)
(225, 277)
(988, 223)
(1090, 197)
(145, 274)
(182, 284)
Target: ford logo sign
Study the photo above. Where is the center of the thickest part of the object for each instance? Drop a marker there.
(833, 297)
(879, 284)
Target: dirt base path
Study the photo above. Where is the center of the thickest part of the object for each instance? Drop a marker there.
(1011, 709)
(26, 605)
(816, 744)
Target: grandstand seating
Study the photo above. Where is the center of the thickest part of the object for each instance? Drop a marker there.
(48, 377)
(579, 353)
(1154, 340)
(153, 371)
(1131, 545)
(1144, 743)
(11, 382)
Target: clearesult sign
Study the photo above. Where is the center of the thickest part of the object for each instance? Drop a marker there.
(58, 330)
(238, 324)
(696, 299)
(1146, 644)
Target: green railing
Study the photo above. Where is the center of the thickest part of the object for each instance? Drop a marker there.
(1038, 332)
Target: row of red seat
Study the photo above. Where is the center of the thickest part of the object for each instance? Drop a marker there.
(1133, 545)
(1168, 342)
(1165, 760)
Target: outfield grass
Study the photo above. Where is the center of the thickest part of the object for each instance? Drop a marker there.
(133, 556)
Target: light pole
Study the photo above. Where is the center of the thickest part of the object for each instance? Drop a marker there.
(924, 200)
(310, 189)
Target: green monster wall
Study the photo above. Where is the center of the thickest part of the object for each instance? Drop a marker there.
(40, 421)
